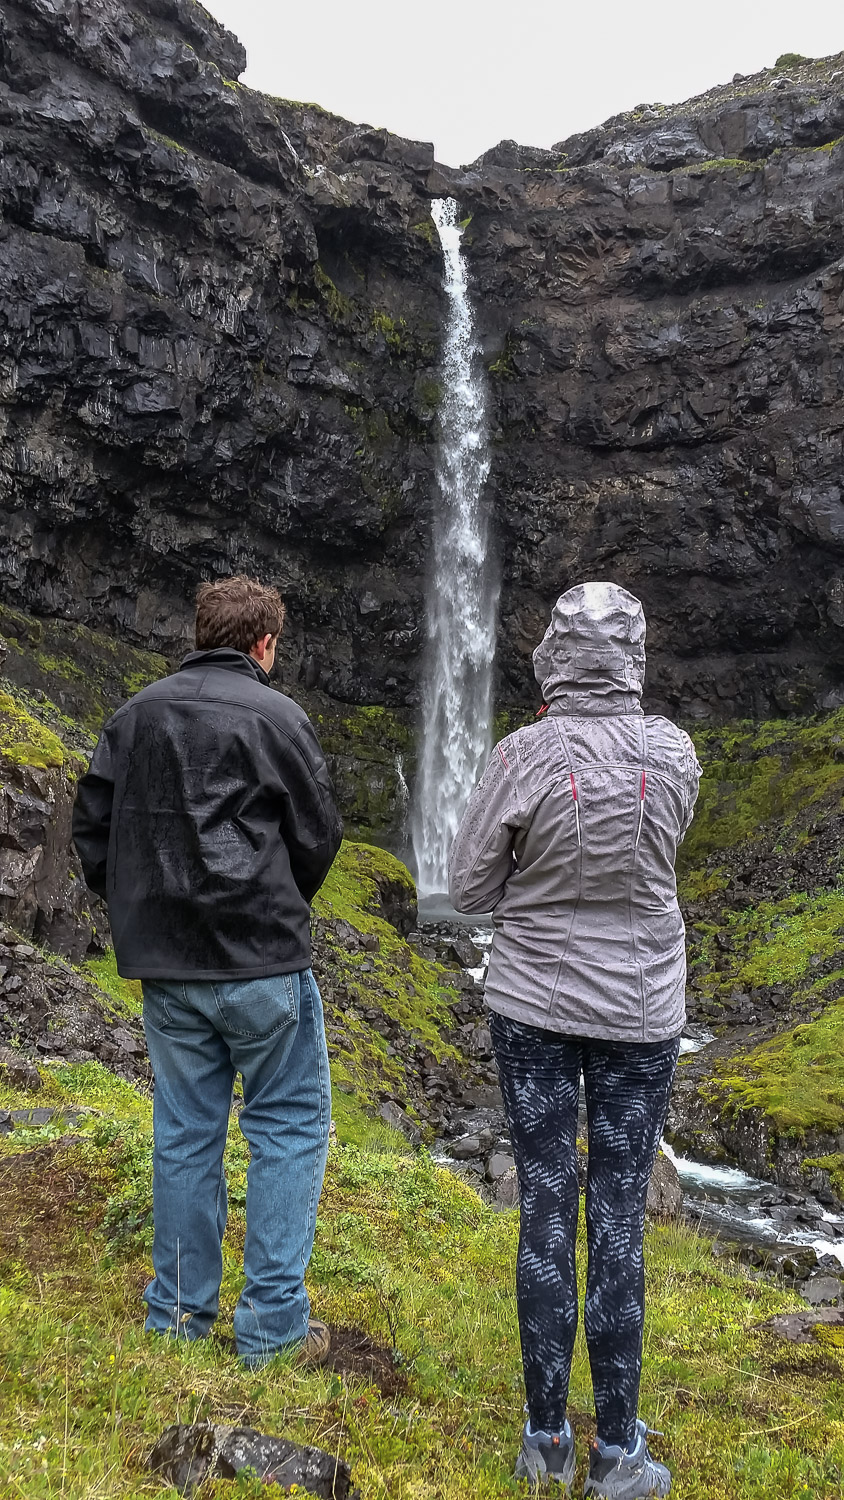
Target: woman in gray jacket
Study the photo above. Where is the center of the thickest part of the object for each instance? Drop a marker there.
(570, 840)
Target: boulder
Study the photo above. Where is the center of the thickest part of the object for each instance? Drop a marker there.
(499, 1165)
(393, 1115)
(807, 1327)
(186, 1455)
(506, 1193)
(665, 1195)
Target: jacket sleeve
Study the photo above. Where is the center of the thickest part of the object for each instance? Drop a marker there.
(311, 827)
(482, 857)
(692, 781)
(92, 813)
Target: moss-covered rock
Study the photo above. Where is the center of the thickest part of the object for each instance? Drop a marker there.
(371, 755)
(388, 1016)
(762, 884)
(42, 892)
(85, 673)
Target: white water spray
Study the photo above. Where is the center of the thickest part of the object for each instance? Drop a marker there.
(462, 586)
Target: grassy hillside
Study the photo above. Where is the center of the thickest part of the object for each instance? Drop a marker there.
(762, 884)
(407, 1254)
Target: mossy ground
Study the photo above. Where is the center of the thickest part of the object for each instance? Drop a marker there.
(409, 1254)
(795, 1080)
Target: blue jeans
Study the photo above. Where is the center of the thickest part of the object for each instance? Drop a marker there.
(199, 1036)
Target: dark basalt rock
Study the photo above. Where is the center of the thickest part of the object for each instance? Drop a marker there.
(48, 1011)
(219, 323)
(185, 1455)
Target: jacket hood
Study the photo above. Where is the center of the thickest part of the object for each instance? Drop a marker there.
(591, 659)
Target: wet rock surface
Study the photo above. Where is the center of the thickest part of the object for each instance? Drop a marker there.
(225, 293)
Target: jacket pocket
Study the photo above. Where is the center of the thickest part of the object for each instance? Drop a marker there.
(258, 1007)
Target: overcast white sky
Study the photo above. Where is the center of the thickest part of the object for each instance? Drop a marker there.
(468, 73)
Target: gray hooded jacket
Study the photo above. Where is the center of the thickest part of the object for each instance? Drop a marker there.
(571, 835)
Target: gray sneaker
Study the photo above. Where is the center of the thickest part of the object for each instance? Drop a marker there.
(621, 1474)
(547, 1457)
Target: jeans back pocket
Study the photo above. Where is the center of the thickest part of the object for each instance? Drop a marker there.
(258, 1007)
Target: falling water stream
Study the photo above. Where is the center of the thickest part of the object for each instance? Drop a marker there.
(462, 595)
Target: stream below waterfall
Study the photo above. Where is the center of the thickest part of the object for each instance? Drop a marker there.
(770, 1223)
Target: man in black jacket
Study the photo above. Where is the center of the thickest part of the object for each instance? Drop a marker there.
(207, 822)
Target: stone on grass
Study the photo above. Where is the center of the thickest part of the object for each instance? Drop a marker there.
(19, 1072)
(802, 1327)
(186, 1455)
(821, 1290)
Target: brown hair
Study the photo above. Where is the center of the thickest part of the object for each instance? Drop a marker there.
(236, 612)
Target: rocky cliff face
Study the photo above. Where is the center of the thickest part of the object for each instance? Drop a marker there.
(219, 321)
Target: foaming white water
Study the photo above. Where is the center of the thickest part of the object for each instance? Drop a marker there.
(701, 1174)
(462, 587)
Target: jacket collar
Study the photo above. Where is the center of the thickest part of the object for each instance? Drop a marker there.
(227, 658)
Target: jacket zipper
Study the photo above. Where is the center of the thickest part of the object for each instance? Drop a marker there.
(641, 810)
(576, 807)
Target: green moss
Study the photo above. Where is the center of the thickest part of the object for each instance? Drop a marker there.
(796, 1080)
(24, 741)
(338, 308)
(388, 975)
(367, 748)
(726, 164)
(754, 774)
(832, 1165)
(430, 392)
(393, 329)
(778, 940)
(427, 231)
(87, 673)
(791, 60)
(503, 367)
(167, 140)
(127, 994)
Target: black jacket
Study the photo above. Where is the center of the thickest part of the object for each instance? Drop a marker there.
(207, 821)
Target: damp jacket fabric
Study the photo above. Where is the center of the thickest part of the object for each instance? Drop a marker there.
(571, 835)
(207, 821)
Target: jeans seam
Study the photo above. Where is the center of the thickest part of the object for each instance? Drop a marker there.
(312, 1204)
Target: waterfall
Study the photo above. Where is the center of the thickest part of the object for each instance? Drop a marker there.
(462, 595)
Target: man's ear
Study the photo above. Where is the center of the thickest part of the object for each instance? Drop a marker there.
(261, 647)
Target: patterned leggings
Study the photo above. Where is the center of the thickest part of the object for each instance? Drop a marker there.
(627, 1091)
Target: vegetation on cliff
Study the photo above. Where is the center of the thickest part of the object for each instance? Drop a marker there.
(762, 882)
(85, 673)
